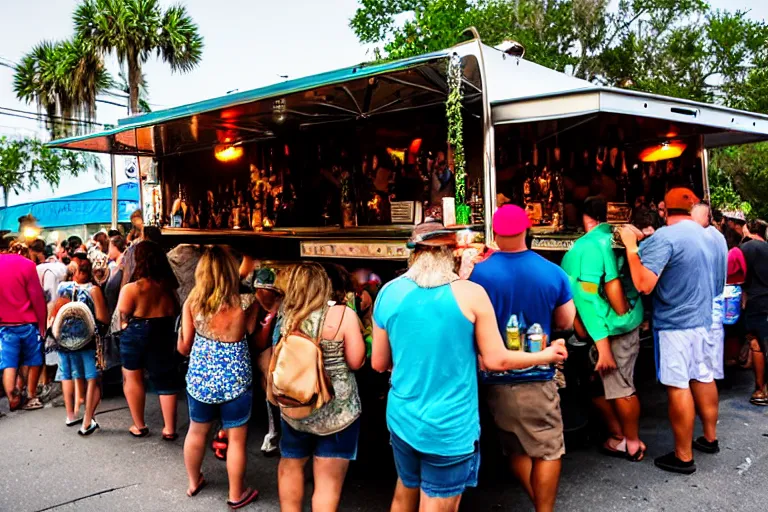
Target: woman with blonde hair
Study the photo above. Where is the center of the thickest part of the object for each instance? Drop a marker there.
(215, 324)
(329, 434)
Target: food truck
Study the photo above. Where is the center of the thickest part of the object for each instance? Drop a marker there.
(342, 164)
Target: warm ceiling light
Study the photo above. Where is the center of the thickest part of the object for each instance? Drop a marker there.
(413, 150)
(397, 154)
(227, 152)
(665, 151)
(31, 232)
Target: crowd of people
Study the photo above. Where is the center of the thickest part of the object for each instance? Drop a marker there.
(225, 332)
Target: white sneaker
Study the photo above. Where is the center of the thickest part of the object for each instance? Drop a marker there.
(270, 445)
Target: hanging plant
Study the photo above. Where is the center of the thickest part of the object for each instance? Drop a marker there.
(456, 137)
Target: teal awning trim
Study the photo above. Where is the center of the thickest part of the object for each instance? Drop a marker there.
(240, 98)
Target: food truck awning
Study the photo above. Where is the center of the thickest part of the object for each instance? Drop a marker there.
(136, 135)
(521, 91)
(518, 90)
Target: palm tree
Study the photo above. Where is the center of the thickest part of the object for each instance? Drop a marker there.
(63, 79)
(134, 29)
(121, 84)
(36, 81)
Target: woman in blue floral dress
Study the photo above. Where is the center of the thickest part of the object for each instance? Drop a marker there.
(215, 321)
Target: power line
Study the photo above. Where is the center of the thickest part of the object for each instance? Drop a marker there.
(112, 103)
(50, 117)
(20, 116)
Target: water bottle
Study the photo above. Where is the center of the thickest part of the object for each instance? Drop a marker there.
(732, 306)
(513, 334)
(534, 339)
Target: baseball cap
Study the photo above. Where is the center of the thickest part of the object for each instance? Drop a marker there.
(510, 220)
(735, 215)
(264, 278)
(431, 234)
(680, 199)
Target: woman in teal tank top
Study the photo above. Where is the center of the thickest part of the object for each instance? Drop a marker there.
(427, 325)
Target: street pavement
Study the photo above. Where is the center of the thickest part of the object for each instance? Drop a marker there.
(47, 466)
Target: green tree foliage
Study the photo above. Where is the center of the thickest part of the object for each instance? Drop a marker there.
(134, 30)
(742, 171)
(679, 48)
(26, 163)
(63, 78)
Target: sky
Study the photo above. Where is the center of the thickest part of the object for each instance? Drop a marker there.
(248, 44)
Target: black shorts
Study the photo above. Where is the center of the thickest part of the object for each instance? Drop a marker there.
(757, 326)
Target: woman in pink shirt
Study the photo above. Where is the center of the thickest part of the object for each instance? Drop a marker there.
(23, 315)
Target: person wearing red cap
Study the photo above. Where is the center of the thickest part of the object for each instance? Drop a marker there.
(675, 264)
(527, 413)
(429, 328)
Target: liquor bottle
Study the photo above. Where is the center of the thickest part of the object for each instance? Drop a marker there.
(177, 212)
(523, 326)
(513, 334)
(184, 204)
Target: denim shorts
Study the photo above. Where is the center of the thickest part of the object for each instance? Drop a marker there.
(80, 364)
(438, 476)
(150, 344)
(20, 345)
(301, 445)
(234, 413)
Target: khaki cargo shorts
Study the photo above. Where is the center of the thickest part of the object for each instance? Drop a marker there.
(620, 383)
(528, 418)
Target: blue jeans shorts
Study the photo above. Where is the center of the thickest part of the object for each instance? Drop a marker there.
(301, 445)
(150, 344)
(233, 414)
(437, 475)
(20, 345)
(80, 364)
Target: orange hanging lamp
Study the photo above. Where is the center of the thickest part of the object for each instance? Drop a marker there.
(665, 151)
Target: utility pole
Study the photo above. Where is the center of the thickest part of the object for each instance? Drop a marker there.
(113, 176)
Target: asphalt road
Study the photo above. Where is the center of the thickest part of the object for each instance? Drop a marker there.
(47, 466)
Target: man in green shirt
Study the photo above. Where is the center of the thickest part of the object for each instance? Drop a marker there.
(610, 313)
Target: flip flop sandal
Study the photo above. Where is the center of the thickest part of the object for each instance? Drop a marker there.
(638, 456)
(758, 398)
(615, 452)
(250, 497)
(73, 422)
(33, 404)
(170, 437)
(143, 432)
(93, 427)
(220, 454)
(201, 483)
(220, 441)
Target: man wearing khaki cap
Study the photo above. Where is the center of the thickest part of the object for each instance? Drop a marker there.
(675, 265)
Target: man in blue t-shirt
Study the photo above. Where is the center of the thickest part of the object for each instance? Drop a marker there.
(676, 265)
(527, 414)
